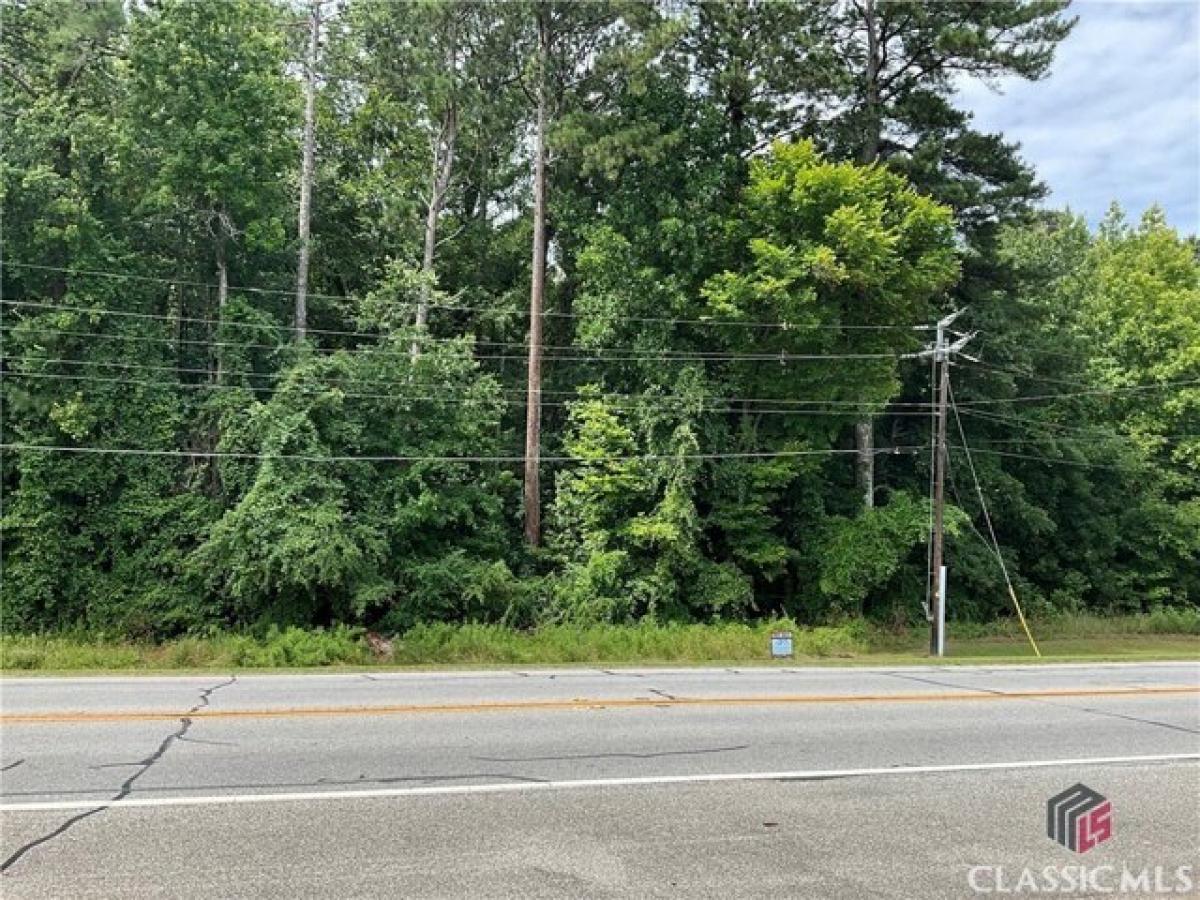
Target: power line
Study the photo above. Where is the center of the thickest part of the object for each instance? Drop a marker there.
(212, 386)
(1089, 431)
(425, 338)
(1094, 440)
(1038, 351)
(1033, 423)
(219, 454)
(212, 343)
(1045, 459)
(666, 356)
(313, 387)
(127, 314)
(664, 320)
(1033, 376)
(988, 520)
(959, 500)
(699, 357)
(638, 401)
(181, 370)
(1162, 385)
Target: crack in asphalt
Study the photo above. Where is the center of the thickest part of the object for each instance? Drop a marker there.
(947, 684)
(126, 788)
(1127, 718)
(663, 694)
(100, 766)
(1052, 702)
(13, 765)
(619, 755)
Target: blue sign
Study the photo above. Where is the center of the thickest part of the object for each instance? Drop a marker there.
(781, 644)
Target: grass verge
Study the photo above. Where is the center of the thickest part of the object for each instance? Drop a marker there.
(1166, 634)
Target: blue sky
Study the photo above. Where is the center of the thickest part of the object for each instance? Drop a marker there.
(1118, 117)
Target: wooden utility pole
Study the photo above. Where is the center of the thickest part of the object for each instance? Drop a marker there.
(537, 294)
(942, 353)
(307, 166)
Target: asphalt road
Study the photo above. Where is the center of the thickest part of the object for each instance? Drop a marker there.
(898, 782)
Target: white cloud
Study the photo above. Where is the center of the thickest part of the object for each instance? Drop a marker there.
(1118, 117)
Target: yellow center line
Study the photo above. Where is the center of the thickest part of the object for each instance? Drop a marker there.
(581, 703)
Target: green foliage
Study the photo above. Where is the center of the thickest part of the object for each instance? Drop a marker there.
(359, 541)
(742, 202)
(1141, 301)
(1117, 515)
(858, 555)
(220, 70)
(627, 530)
(274, 648)
(1161, 634)
(831, 247)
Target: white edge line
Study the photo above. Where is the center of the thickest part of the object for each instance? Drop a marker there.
(527, 786)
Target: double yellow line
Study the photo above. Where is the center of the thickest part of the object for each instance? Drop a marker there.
(582, 703)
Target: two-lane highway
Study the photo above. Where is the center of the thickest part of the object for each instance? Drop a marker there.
(897, 782)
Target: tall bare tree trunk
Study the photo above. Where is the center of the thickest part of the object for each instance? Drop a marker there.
(869, 152)
(222, 298)
(180, 315)
(533, 408)
(864, 431)
(306, 168)
(222, 278)
(864, 443)
(211, 440)
(444, 147)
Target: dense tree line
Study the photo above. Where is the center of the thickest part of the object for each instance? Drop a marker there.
(604, 311)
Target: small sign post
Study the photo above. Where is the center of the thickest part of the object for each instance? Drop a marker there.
(781, 645)
(941, 611)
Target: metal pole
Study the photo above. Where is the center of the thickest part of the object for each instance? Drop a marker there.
(941, 620)
(936, 640)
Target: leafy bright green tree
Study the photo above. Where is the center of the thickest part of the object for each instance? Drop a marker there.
(1143, 307)
(1092, 488)
(215, 116)
(829, 247)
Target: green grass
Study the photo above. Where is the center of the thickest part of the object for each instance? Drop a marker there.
(1165, 634)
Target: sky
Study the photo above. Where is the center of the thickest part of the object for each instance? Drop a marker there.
(1118, 117)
